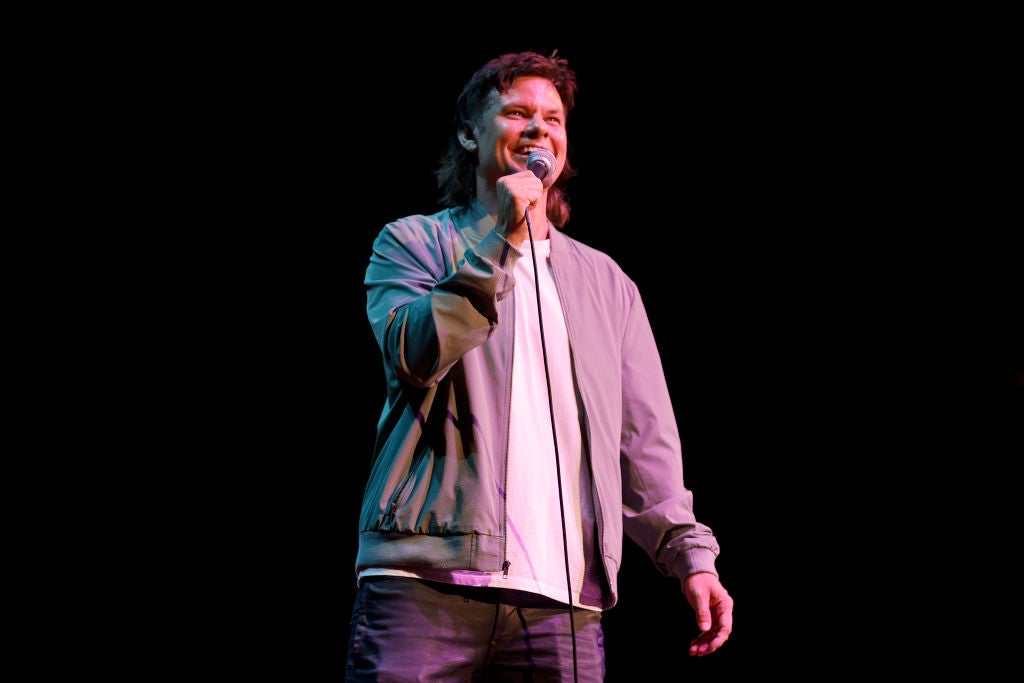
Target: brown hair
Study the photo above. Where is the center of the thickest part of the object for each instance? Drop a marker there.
(456, 175)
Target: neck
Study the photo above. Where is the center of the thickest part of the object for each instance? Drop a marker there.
(538, 224)
(538, 216)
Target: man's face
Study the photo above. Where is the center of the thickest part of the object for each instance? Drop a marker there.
(526, 116)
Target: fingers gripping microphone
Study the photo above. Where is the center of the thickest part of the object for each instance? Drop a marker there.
(541, 162)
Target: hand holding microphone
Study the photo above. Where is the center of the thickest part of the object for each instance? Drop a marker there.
(519, 194)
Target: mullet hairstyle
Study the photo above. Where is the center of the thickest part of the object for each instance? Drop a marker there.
(456, 174)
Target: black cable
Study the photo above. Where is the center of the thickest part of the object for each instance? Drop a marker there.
(554, 439)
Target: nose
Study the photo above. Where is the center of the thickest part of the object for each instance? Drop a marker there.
(535, 127)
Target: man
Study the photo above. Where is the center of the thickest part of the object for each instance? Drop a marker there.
(527, 424)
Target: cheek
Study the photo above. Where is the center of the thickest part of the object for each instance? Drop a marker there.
(560, 143)
(508, 128)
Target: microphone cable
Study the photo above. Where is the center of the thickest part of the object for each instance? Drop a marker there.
(554, 434)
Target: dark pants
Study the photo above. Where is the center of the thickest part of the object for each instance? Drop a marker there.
(406, 630)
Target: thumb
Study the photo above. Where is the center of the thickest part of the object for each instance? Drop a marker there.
(703, 615)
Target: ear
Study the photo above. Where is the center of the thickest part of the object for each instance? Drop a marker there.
(467, 141)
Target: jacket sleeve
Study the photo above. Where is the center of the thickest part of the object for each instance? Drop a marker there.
(657, 507)
(430, 299)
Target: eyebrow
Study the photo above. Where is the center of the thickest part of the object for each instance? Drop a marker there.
(560, 110)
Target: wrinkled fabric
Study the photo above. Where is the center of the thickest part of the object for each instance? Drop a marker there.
(438, 303)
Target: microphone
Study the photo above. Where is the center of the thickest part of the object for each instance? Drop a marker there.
(541, 162)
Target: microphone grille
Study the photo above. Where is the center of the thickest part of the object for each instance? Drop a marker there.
(541, 162)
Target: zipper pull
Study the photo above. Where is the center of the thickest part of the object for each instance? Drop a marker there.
(504, 568)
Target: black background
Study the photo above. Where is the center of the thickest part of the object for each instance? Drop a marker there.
(829, 281)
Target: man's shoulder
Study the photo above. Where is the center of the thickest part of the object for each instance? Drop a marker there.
(562, 242)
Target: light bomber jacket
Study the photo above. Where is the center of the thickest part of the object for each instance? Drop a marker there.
(439, 301)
